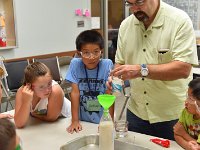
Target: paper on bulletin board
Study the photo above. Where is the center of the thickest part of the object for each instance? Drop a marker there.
(95, 22)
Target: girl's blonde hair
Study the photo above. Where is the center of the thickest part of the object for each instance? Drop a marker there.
(33, 71)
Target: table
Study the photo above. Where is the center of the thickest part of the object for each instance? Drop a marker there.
(40, 135)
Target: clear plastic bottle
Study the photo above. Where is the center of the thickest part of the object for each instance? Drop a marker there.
(117, 86)
(106, 132)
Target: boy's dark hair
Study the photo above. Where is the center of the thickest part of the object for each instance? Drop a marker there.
(89, 37)
(195, 86)
(7, 133)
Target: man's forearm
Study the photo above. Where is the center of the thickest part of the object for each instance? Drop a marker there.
(170, 71)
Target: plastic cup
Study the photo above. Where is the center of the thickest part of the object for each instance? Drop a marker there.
(121, 128)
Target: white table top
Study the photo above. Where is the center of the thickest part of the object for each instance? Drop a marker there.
(39, 135)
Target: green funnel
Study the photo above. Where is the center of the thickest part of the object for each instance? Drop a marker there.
(106, 100)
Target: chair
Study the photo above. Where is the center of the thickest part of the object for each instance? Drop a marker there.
(64, 63)
(3, 74)
(66, 86)
(13, 81)
(53, 64)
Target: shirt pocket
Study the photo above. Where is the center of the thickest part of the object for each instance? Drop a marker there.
(164, 56)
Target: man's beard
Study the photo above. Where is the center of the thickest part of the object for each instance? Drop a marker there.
(141, 16)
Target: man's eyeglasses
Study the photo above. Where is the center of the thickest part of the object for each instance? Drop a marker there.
(86, 54)
(137, 3)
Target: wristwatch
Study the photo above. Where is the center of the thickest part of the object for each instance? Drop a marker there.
(144, 70)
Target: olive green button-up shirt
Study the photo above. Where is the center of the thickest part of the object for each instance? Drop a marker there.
(170, 37)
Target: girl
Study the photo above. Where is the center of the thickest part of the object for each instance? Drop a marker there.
(40, 96)
(187, 129)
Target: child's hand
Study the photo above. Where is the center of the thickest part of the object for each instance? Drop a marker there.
(9, 116)
(197, 109)
(75, 126)
(193, 145)
(179, 129)
(192, 107)
(109, 84)
(27, 92)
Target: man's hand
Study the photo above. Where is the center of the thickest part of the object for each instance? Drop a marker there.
(126, 72)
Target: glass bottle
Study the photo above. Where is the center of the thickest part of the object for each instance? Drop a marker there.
(106, 132)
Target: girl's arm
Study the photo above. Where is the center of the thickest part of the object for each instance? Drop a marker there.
(193, 145)
(181, 136)
(23, 102)
(180, 130)
(182, 142)
(55, 103)
(6, 116)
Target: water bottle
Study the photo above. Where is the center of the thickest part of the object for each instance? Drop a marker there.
(106, 132)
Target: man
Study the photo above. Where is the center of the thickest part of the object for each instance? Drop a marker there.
(156, 51)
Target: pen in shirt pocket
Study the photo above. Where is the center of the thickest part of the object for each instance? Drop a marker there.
(161, 53)
(163, 50)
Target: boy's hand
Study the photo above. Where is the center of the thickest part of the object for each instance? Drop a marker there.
(109, 84)
(75, 126)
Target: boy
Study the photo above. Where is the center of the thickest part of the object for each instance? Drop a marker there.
(187, 129)
(88, 76)
(8, 137)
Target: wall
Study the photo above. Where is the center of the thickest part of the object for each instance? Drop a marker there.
(46, 26)
(191, 7)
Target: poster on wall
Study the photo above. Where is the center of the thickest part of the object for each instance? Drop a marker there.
(2, 30)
